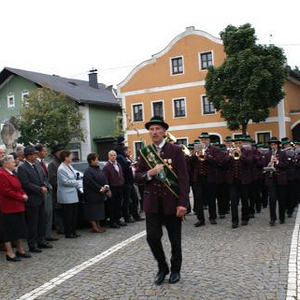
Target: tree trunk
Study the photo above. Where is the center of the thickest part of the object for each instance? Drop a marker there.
(244, 128)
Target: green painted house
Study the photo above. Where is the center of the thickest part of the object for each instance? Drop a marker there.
(97, 102)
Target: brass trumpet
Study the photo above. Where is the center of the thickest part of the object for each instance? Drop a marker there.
(200, 152)
(235, 152)
(170, 138)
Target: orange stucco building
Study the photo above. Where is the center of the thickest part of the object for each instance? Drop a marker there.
(172, 84)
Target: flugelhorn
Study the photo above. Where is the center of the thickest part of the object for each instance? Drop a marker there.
(170, 138)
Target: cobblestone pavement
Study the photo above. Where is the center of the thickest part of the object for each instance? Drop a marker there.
(219, 263)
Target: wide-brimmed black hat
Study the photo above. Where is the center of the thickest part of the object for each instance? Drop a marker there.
(30, 150)
(57, 148)
(190, 146)
(120, 139)
(274, 140)
(204, 135)
(285, 141)
(228, 139)
(158, 121)
(296, 142)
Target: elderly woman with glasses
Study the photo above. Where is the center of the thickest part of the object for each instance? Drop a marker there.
(12, 206)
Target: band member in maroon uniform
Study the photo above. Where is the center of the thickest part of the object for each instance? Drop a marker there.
(162, 168)
(276, 164)
(239, 177)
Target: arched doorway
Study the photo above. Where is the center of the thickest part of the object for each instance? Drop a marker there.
(296, 132)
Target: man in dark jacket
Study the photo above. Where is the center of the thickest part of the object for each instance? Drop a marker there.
(162, 168)
(52, 173)
(32, 179)
(114, 175)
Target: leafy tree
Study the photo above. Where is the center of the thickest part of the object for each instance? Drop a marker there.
(50, 118)
(250, 80)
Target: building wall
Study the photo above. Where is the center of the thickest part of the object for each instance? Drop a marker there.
(102, 123)
(14, 85)
(152, 80)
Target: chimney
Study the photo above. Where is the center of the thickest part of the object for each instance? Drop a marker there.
(93, 78)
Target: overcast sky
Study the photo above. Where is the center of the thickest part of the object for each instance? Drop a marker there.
(68, 37)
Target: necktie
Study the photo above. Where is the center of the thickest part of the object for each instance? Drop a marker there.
(43, 165)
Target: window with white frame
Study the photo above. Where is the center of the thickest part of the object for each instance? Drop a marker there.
(177, 65)
(137, 147)
(206, 60)
(182, 141)
(158, 108)
(24, 97)
(137, 112)
(207, 106)
(179, 108)
(263, 137)
(10, 101)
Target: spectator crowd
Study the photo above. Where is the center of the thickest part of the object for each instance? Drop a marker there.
(38, 199)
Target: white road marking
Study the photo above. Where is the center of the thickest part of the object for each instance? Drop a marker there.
(72, 272)
(294, 260)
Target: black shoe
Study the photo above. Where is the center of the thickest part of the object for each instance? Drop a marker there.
(213, 221)
(52, 239)
(272, 223)
(174, 277)
(60, 232)
(258, 211)
(282, 221)
(114, 225)
(14, 259)
(290, 215)
(23, 255)
(235, 225)
(160, 277)
(199, 223)
(45, 246)
(120, 223)
(35, 250)
(139, 218)
(222, 216)
(244, 223)
(251, 216)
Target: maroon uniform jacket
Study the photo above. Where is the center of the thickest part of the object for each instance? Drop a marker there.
(156, 195)
(281, 167)
(258, 164)
(243, 165)
(297, 166)
(208, 166)
(114, 178)
(11, 193)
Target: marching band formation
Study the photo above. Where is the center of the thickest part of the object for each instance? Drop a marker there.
(240, 169)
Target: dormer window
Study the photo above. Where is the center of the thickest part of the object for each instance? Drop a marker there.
(177, 65)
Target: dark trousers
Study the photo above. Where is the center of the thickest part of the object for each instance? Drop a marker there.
(134, 203)
(291, 197)
(255, 199)
(115, 205)
(126, 201)
(263, 192)
(220, 195)
(154, 223)
(70, 212)
(237, 191)
(277, 193)
(206, 193)
(35, 217)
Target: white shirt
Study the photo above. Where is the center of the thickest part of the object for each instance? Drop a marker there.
(115, 164)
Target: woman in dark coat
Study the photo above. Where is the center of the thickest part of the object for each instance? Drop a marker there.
(95, 191)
